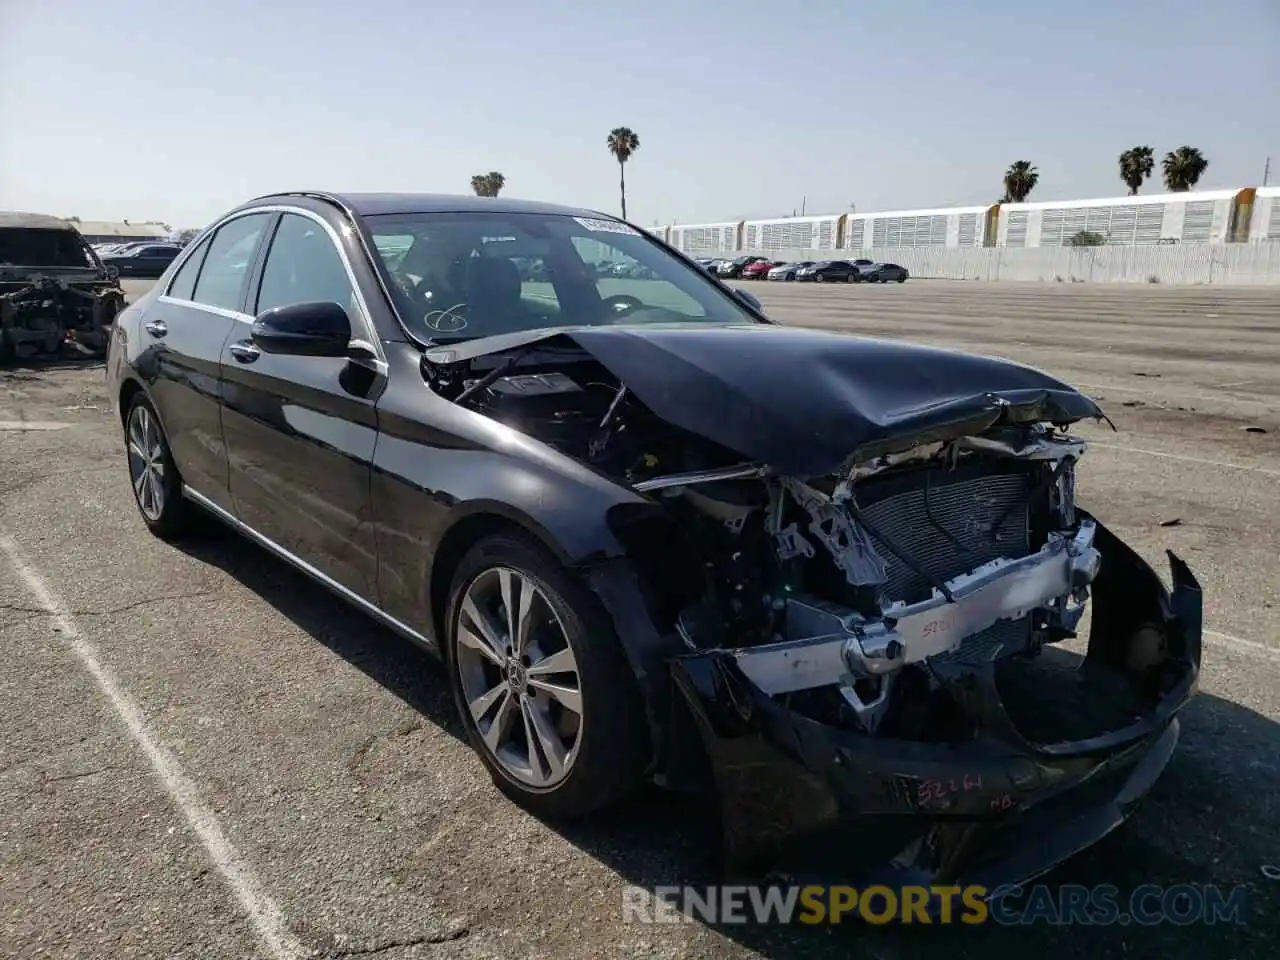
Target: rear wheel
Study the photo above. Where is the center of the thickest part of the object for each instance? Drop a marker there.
(540, 681)
(852, 278)
(157, 487)
(902, 278)
(819, 278)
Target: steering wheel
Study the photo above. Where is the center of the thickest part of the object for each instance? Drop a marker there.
(441, 320)
(622, 303)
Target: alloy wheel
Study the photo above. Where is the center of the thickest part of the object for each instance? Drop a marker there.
(146, 462)
(519, 677)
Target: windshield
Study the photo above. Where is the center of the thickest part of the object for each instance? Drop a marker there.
(42, 247)
(464, 275)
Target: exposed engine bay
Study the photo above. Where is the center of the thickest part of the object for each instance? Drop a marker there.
(841, 593)
(54, 292)
(40, 316)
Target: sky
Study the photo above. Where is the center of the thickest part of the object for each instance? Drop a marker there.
(177, 110)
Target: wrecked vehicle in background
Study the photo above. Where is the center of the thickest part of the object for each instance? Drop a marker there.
(656, 535)
(54, 291)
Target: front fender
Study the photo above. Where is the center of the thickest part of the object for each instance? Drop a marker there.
(438, 467)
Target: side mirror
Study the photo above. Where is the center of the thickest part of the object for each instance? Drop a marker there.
(316, 329)
(749, 298)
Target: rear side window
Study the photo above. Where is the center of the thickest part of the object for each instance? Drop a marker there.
(226, 265)
(183, 286)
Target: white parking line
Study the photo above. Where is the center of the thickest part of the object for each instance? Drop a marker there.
(1178, 456)
(1247, 646)
(262, 911)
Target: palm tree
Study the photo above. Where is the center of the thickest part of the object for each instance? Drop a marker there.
(488, 184)
(622, 143)
(1136, 165)
(1183, 169)
(1019, 180)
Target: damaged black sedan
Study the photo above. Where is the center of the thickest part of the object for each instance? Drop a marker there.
(656, 536)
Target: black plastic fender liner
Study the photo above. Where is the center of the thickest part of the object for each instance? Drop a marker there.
(677, 759)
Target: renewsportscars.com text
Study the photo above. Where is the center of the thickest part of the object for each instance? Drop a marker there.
(1065, 905)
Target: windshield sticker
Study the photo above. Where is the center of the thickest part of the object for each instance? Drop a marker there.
(606, 226)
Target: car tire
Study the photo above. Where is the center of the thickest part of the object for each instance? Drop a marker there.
(153, 476)
(819, 278)
(608, 749)
(902, 279)
(852, 278)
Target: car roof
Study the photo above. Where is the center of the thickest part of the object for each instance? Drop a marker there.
(377, 204)
(33, 221)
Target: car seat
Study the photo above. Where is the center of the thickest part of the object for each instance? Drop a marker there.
(493, 297)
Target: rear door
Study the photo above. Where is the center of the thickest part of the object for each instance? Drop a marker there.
(183, 332)
(301, 431)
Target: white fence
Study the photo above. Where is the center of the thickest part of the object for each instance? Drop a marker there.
(1185, 263)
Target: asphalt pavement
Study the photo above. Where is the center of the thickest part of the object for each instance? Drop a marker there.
(202, 755)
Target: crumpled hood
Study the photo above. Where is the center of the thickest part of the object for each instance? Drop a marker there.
(804, 400)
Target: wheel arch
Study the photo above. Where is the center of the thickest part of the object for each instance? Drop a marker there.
(470, 524)
(130, 386)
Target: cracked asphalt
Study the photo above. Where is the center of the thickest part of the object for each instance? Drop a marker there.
(325, 750)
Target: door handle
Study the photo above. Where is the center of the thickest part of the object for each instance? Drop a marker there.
(244, 351)
(156, 328)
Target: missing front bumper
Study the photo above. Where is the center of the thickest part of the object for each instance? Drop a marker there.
(800, 795)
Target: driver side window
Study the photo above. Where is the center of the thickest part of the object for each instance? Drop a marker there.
(303, 266)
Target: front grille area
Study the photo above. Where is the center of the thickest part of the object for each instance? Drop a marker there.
(953, 534)
(955, 531)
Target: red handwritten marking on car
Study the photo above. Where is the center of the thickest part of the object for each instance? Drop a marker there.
(928, 791)
(938, 625)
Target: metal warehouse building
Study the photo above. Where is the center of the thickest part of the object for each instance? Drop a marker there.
(1264, 221)
(943, 227)
(104, 231)
(707, 237)
(793, 233)
(1210, 216)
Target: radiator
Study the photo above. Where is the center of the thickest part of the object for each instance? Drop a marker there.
(954, 534)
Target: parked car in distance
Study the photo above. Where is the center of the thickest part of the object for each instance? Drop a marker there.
(828, 270)
(822, 602)
(759, 270)
(144, 259)
(788, 271)
(884, 273)
(631, 270)
(732, 269)
(708, 264)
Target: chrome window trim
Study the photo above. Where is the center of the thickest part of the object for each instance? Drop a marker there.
(370, 608)
(205, 308)
(365, 319)
(189, 251)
